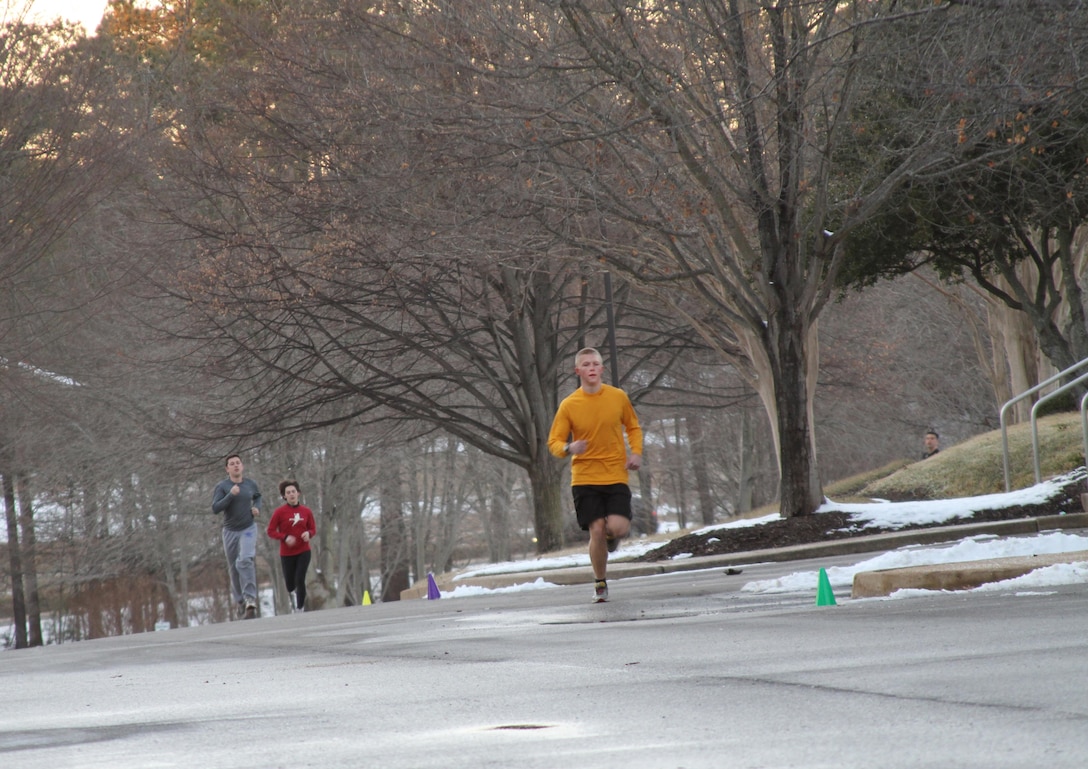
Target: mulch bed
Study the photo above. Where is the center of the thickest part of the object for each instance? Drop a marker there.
(833, 525)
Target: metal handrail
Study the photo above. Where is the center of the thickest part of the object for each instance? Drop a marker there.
(1034, 423)
(1084, 425)
(1028, 394)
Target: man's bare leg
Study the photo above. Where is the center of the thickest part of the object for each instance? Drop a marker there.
(617, 526)
(599, 531)
(598, 548)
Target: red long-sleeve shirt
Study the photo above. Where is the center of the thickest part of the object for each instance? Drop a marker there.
(288, 520)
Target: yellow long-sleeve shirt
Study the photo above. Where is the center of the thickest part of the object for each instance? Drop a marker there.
(600, 419)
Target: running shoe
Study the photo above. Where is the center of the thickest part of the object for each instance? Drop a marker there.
(600, 591)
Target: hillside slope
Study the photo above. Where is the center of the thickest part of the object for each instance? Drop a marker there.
(972, 468)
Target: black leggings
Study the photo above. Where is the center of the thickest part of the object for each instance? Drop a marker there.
(294, 574)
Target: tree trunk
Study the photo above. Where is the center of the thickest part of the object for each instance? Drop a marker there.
(352, 539)
(497, 522)
(1012, 331)
(18, 599)
(362, 572)
(29, 548)
(679, 476)
(1037, 302)
(544, 479)
(785, 375)
(177, 592)
(270, 548)
(646, 485)
(93, 525)
(1075, 328)
(396, 567)
(800, 492)
(699, 463)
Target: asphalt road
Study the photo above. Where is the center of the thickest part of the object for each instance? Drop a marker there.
(678, 670)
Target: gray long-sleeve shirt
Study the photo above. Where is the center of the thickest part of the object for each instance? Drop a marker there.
(237, 513)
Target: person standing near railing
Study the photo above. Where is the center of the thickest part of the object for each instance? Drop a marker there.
(932, 443)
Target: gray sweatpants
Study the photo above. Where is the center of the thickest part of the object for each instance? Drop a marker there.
(240, 548)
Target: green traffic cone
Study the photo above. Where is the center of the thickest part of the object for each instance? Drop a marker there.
(824, 595)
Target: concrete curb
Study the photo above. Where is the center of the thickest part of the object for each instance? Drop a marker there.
(955, 576)
(878, 542)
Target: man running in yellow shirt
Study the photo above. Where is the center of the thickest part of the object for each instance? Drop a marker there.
(589, 426)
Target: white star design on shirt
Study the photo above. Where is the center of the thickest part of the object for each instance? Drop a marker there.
(297, 519)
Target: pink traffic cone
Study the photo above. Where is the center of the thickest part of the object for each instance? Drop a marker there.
(432, 589)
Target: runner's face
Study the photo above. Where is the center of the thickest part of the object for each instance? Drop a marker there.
(589, 369)
(234, 467)
(291, 495)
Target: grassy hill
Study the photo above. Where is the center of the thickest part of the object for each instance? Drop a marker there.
(975, 466)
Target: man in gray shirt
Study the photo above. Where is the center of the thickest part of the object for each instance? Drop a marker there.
(239, 500)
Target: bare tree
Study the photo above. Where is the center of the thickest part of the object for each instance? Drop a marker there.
(700, 141)
(358, 263)
(61, 156)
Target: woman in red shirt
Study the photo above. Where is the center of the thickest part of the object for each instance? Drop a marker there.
(293, 525)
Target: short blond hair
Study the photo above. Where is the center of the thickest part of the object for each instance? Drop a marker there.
(587, 351)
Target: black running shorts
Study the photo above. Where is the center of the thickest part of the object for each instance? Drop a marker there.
(593, 502)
